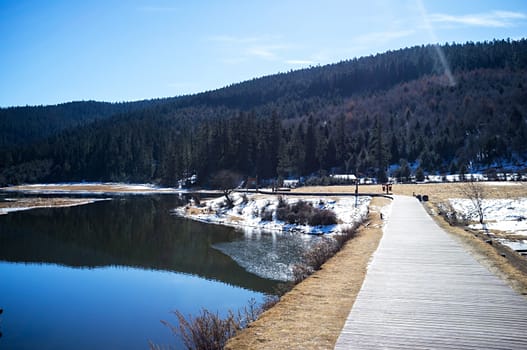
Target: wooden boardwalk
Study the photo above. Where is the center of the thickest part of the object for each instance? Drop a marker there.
(423, 291)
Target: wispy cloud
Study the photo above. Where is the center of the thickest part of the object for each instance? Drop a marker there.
(493, 19)
(250, 47)
(269, 52)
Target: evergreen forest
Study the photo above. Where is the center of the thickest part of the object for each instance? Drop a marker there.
(385, 115)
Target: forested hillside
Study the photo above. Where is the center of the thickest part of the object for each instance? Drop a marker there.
(359, 115)
(25, 125)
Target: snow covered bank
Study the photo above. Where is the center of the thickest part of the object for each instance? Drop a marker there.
(90, 188)
(505, 218)
(256, 211)
(270, 247)
(19, 204)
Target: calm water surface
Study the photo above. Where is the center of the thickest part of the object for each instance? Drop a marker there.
(104, 275)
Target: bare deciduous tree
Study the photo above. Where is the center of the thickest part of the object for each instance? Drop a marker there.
(476, 193)
(226, 181)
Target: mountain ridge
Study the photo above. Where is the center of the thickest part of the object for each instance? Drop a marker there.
(339, 117)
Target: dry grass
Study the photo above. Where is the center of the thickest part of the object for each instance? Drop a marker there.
(440, 193)
(484, 253)
(32, 203)
(313, 313)
(436, 192)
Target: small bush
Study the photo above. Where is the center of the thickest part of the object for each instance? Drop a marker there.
(301, 272)
(320, 253)
(282, 203)
(302, 213)
(208, 331)
(205, 331)
(451, 216)
(299, 213)
(266, 214)
(269, 302)
(322, 217)
(245, 199)
(314, 258)
(197, 199)
(346, 235)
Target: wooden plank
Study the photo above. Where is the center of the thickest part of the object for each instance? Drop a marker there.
(423, 291)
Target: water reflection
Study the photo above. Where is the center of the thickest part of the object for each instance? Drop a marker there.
(56, 307)
(131, 231)
(268, 254)
(104, 275)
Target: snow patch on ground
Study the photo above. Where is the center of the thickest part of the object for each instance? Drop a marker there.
(508, 216)
(248, 208)
(501, 183)
(270, 249)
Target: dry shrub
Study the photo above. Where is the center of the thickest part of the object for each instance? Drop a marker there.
(451, 216)
(205, 331)
(320, 253)
(323, 217)
(282, 203)
(314, 258)
(266, 214)
(296, 213)
(301, 213)
(346, 234)
(269, 302)
(209, 331)
(245, 199)
(301, 272)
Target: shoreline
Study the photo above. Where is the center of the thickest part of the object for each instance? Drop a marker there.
(312, 314)
(11, 205)
(257, 211)
(308, 317)
(95, 188)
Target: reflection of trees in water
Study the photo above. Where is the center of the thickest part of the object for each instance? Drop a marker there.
(138, 232)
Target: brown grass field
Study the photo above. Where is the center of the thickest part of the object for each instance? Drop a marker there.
(313, 313)
(435, 191)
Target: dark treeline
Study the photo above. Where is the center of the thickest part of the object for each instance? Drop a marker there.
(358, 115)
(24, 125)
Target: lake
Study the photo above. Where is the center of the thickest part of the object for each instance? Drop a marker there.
(104, 275)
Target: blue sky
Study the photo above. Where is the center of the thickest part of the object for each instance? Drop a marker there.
(57, 51)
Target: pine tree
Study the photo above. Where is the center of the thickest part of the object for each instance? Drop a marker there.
(379, 151)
